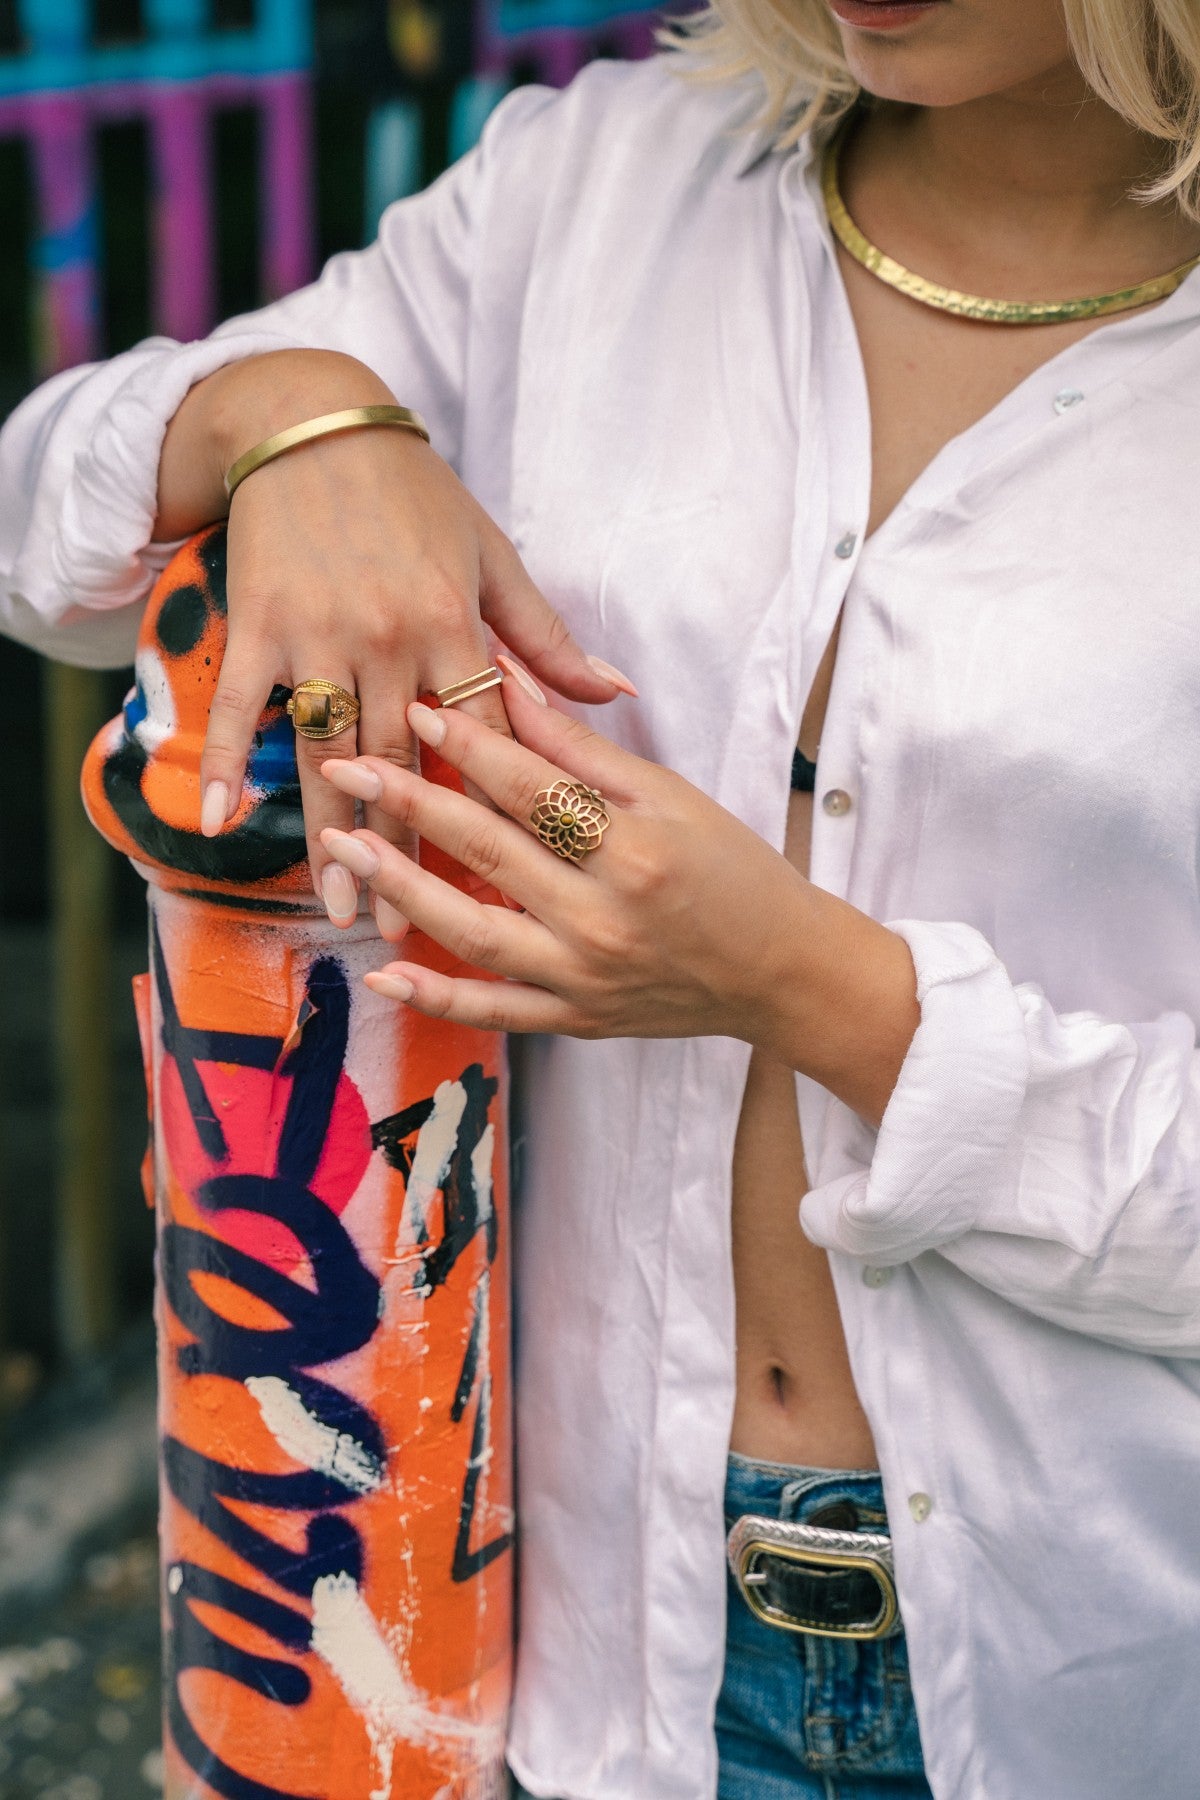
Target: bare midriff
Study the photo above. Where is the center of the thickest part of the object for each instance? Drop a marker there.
(796, 1399)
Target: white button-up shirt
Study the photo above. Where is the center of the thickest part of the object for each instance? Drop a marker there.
(630, 336)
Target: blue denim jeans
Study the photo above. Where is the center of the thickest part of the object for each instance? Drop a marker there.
(811, 1718)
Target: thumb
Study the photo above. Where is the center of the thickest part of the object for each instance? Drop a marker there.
(523, 619)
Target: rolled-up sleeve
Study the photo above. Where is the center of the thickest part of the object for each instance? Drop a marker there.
(1053, 1157)
(79, 457)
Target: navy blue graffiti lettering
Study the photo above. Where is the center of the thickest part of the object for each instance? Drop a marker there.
(195, 1646)
(321, 1322)
(338, 1315)
(188, 1046)
(331, 1546)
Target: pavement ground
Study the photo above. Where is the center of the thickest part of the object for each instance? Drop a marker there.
(79, 1694)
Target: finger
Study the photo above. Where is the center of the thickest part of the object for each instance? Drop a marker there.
(384, 733)
(485, 1005)
(326, 807)
(513, 775)
(492, 847)
(362, 783)
(482, 937)
(456, 660)
(574, 748)
(521, 616)
(248, 673)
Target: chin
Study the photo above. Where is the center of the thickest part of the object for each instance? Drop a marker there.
(944, 54)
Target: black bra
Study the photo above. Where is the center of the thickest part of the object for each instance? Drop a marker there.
(804, 773)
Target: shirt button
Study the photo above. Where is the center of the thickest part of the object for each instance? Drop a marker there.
(836, 802)
(846, 546)
(877, 1278)
(1066, 398)
(920, 1506)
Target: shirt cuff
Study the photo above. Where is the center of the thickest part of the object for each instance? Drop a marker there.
(952, 1115)
(100, 555)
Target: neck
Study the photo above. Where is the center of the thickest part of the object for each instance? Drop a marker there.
(1045, 172)
(1052, 143)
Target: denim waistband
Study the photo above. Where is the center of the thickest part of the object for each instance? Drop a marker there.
(788, 1491)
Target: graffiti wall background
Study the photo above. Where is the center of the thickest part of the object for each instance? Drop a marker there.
(164, 163)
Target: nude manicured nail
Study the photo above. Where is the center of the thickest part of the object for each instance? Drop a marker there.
(429, 726)
(339, 894)
(351, 853)
(522, 679)
(618, 680)
(392, 987)
(392, 925)
(214, 808)
(353, 778)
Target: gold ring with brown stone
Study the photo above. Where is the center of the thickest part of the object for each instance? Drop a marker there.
(320, 709)
(570, 819)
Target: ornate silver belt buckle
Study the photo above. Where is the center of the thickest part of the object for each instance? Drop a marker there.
(752, 1540)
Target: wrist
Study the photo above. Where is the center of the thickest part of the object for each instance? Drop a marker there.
(842, 1005)
(253, 399)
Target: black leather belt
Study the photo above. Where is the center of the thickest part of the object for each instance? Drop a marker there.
(811, 1579)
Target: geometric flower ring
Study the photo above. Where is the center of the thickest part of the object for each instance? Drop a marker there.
(570, 819)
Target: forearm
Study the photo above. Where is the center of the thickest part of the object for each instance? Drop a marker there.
(237, 407)
(841, 1006)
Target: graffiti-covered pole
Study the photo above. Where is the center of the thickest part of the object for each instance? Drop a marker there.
(332, 1301)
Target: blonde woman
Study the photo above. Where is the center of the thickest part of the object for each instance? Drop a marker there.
(860, 1187)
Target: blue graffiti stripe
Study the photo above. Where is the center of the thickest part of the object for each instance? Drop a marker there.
(178, 46)
(516, 17)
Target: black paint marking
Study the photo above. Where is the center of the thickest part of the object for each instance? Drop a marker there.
(397, 1137)
(212, 551)
(468, 1562)
(187, 1046)
(248, 902)
(269, 841)
(182, 620)
(315, 1066)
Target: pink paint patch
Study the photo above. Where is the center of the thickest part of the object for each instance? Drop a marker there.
(251, 1105)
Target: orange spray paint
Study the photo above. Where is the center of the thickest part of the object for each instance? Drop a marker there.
(332, 1300)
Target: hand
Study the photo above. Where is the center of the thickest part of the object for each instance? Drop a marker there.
(359, 558)
(682, 923)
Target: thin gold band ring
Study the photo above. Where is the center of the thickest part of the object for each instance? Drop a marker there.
(473, 684)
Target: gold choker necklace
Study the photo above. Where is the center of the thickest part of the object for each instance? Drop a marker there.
(973, 306)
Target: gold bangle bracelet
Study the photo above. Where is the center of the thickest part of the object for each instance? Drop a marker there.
(325, 426)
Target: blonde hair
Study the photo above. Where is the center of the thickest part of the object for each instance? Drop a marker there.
(1142, 57)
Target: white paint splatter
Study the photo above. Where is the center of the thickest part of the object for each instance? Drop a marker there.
(435, 1145)
(160, 720)
(309, 1440)
(349, 1639)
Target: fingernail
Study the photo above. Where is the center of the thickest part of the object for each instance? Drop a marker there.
(522, 679)
(353, 778)
(339, 893)
(391, 924)
(214, 808)
(618, 680)
(429, 726)
(392, 987)
(351, 852)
